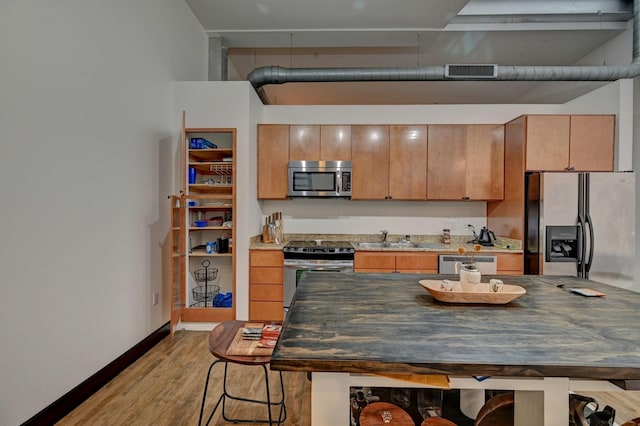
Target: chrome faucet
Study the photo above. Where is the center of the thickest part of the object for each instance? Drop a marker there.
(475, 236)
(384, 235)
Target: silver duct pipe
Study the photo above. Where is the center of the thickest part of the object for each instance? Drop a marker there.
(278, 75)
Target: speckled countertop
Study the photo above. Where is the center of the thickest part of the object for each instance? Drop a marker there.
(502, 245)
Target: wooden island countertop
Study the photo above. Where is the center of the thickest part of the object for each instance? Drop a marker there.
(387, 323)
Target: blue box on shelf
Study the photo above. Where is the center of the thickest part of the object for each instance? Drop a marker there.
(201, 143)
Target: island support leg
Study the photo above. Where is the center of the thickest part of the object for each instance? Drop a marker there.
(556, 400)
(329, 399)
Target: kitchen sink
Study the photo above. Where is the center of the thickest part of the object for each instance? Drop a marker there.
(429, 245)
(399, 244)
(385, 245)
(406, 244)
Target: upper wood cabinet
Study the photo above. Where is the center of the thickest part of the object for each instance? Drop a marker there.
(485, 161)
(370, 162)
(324, 143)
(408, 162)
(506, 217)
(335, 143)
(592, 142)
(569, 142)
(304, 143)
(465, 162)
(273, 157)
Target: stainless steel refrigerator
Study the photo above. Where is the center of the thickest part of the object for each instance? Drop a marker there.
(581, 224)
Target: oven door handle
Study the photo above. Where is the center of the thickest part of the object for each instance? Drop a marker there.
(326, 268)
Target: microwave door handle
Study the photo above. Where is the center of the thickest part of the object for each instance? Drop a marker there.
(338, 179)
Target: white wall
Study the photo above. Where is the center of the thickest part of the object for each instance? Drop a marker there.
(86, 107)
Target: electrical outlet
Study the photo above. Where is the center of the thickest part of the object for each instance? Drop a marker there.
(155, 298)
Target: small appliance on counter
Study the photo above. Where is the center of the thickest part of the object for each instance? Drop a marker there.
(486, 237)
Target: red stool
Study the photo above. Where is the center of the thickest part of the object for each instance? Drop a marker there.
(220, 339)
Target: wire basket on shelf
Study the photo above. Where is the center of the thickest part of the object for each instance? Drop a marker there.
(205, 274)
(206, 293)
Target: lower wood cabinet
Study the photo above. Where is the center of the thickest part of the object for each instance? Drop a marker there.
(510, 263)
(424, 262)
(412, 263)
(379, 262)
(266, 281)
(403, 262)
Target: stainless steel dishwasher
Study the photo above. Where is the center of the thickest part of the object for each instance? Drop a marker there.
(486, 264)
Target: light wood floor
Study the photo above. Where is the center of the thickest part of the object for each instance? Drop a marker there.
(165, 387)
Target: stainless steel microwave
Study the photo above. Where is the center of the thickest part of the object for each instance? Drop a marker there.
(320, 179)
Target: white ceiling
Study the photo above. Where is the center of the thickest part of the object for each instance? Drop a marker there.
(410, 33)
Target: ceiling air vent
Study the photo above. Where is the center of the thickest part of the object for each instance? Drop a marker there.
(470, 71)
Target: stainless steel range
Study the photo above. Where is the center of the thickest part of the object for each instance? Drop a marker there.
(318, 255)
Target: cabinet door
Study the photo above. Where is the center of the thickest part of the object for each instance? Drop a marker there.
(506, 217)
(446, 160)
(408, 162)
(485, 162)
(592, 142)
(422, 263)
(374, 262)
(177, 268)
(273, 157)
(510, 263)
(547, 142)
(304, 143)
(370, 158)
(335, 143)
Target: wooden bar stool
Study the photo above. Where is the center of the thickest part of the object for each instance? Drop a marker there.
(381, 413)
(220, 339)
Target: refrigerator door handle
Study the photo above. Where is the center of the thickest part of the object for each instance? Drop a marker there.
(591, 246)
(582, 247)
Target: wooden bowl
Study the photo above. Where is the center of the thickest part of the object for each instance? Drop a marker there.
(481, 294)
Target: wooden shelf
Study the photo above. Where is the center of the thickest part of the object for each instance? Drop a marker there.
(221, 168)
(203, 188)
(222, 206)
(203, 155)
(208, 314)
(203, 254)
(210, 228)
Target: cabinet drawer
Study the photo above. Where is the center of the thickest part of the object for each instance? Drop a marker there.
(266, 258)
(266, 311)
(265, 292)
(375, 261)
(417, 262)
(266, 275)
